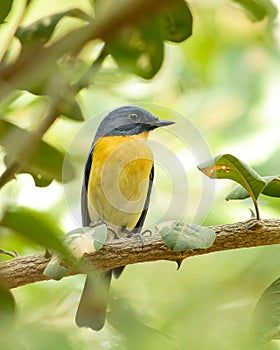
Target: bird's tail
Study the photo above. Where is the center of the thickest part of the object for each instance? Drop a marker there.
(92, 308)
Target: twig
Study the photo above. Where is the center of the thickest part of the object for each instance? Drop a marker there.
(251, 233)
(122, 14)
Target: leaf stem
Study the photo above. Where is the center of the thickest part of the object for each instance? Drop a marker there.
(256, 208)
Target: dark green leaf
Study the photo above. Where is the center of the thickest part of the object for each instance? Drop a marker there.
(180, 236)
(40, 31)
(176, 21)
(45, 164)
(257, 10)
(138, 49)
(272, 189)
(36, 226)
(226, 166)
(266, 316)
(5, 9)
(39, 179)
(7, 304)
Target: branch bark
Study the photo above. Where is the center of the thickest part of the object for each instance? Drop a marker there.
(252, 233)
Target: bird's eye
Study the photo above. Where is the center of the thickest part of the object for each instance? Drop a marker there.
(134, 117)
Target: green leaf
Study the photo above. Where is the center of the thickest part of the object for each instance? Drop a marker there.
(46, 162)
(272, 189)
(40, 31)
(257, 10)
(180, 236)
(138, 49)
(7, 304)
(176, 21)
(5, 9)
(36, 226)
(226, 166)
(266, 316)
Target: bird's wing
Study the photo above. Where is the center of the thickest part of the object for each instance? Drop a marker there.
(84, 201)
(141, 220)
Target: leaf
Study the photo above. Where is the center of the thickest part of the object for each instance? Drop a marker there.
(127, 321)
(5, 9)
(86, 240)
(7, 304)
(257, 10)
(70, 108)
(266, 316)
(36, 226)
(46, 162)
(180, 236)
(226, 166)
(176, 21)
(138, 49)
(56, 268)
(40, 31)
(81, 241)
(272, 189)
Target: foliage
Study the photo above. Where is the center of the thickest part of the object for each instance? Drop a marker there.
(182, 236)
(61, 61)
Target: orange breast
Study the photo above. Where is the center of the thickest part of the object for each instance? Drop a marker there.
(119, 179)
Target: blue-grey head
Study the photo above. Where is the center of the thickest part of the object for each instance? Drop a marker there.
(128, 120)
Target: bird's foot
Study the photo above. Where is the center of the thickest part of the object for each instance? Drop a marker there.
(115, 233)
(97, 223)
(102, 222)
(139, 235)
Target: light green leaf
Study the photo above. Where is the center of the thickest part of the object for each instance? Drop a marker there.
(81, 241)
(272, 189)
(100, 236)
(56, 268)
(266, 316)
(257, 10)
(176, 21)
(181, 236)
(36, 226)
(5, 9)
(45, 164)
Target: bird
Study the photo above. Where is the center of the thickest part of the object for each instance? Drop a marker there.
(116, 189)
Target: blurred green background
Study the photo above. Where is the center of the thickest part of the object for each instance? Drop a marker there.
(225, 80)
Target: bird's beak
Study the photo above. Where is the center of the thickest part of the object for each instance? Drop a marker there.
(159, 123)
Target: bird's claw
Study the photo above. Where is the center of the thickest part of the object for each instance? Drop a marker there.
(97, 223)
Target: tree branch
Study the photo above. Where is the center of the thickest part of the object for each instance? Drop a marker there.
(251, 233)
